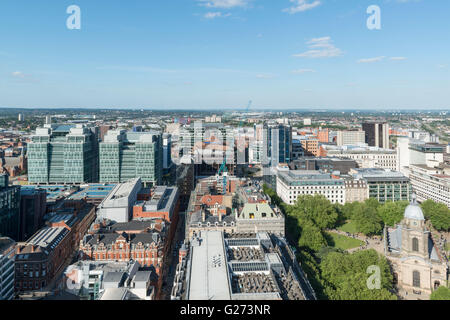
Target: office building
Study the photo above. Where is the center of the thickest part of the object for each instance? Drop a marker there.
(103, 280)
(430, 183)
(278, 139)
(66, 154)
(33, 206)
(129, 155)
(326, 164)
(385, 185)
(365, 157)
(9, 209)
(294, 183)
(118, 204)
(417, 152)
(7, 267)
(347, 137)
(376, 134)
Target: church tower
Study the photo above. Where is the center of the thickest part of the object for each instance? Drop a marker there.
(415, 236)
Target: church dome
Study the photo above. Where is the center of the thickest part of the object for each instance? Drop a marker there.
(413, 211)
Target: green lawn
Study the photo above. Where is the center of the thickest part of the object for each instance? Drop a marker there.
(349, 227)
(343, 242)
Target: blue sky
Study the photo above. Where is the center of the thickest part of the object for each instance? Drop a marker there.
(223, 53)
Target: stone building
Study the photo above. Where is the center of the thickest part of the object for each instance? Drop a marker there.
(418, 266)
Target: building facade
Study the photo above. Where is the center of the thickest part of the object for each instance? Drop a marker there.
(350, 137)
(376, 134)
(294, 183)
(385, 185)
(9, 209)
(430, 183)
(129, 155)
(66, 154)
(7, 265)
(418, 266)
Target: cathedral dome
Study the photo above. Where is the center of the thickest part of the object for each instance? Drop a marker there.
(413, 211)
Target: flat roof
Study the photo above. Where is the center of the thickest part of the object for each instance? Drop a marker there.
(209, 271)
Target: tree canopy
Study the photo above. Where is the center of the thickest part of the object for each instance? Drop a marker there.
(442, 293)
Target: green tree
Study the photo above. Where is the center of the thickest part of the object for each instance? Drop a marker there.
(311, 236)
(442, 293)
(392, 212)
(316, 208)
(438, 214)
(345, 276)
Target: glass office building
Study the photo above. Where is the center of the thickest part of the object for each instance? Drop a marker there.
(127, 155)
(63, 154)
(278, 139)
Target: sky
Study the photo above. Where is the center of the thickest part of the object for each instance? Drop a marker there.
(218, 54)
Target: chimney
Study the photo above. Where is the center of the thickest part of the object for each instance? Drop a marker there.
(220, 215)
(203, 215)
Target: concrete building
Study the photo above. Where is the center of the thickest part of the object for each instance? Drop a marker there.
(239, 267)
(365, 157)
(347, 137)
(325, 164)
(417, 152)
(356, 190)
(130, 155)
(418, 266)
(66, 154)
(293, 183)
(118, 205)
(376, 134)
(385, 185)
(260, 217)
(98, 280)
(7, 267)
(430, 183)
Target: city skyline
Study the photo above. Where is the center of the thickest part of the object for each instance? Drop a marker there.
(200, 54)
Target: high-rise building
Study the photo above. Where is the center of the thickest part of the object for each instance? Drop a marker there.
(63, 154)
(376, 134)
(278, 139)
(7, 254)
(32, 211)
(126, 155)
(350, 137)
(167, 150)
(9, 208)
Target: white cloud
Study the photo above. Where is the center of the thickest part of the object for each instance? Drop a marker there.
(320, 48)
(18, 74)
(265, 76)
(226, 4)
(213, 15)
(301, 71)
(398, 58)
(302, 5)
(371, 60)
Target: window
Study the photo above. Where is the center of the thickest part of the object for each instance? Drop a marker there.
(416, 279)
(415, 244)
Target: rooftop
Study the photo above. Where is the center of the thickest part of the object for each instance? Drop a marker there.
(209, 274)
